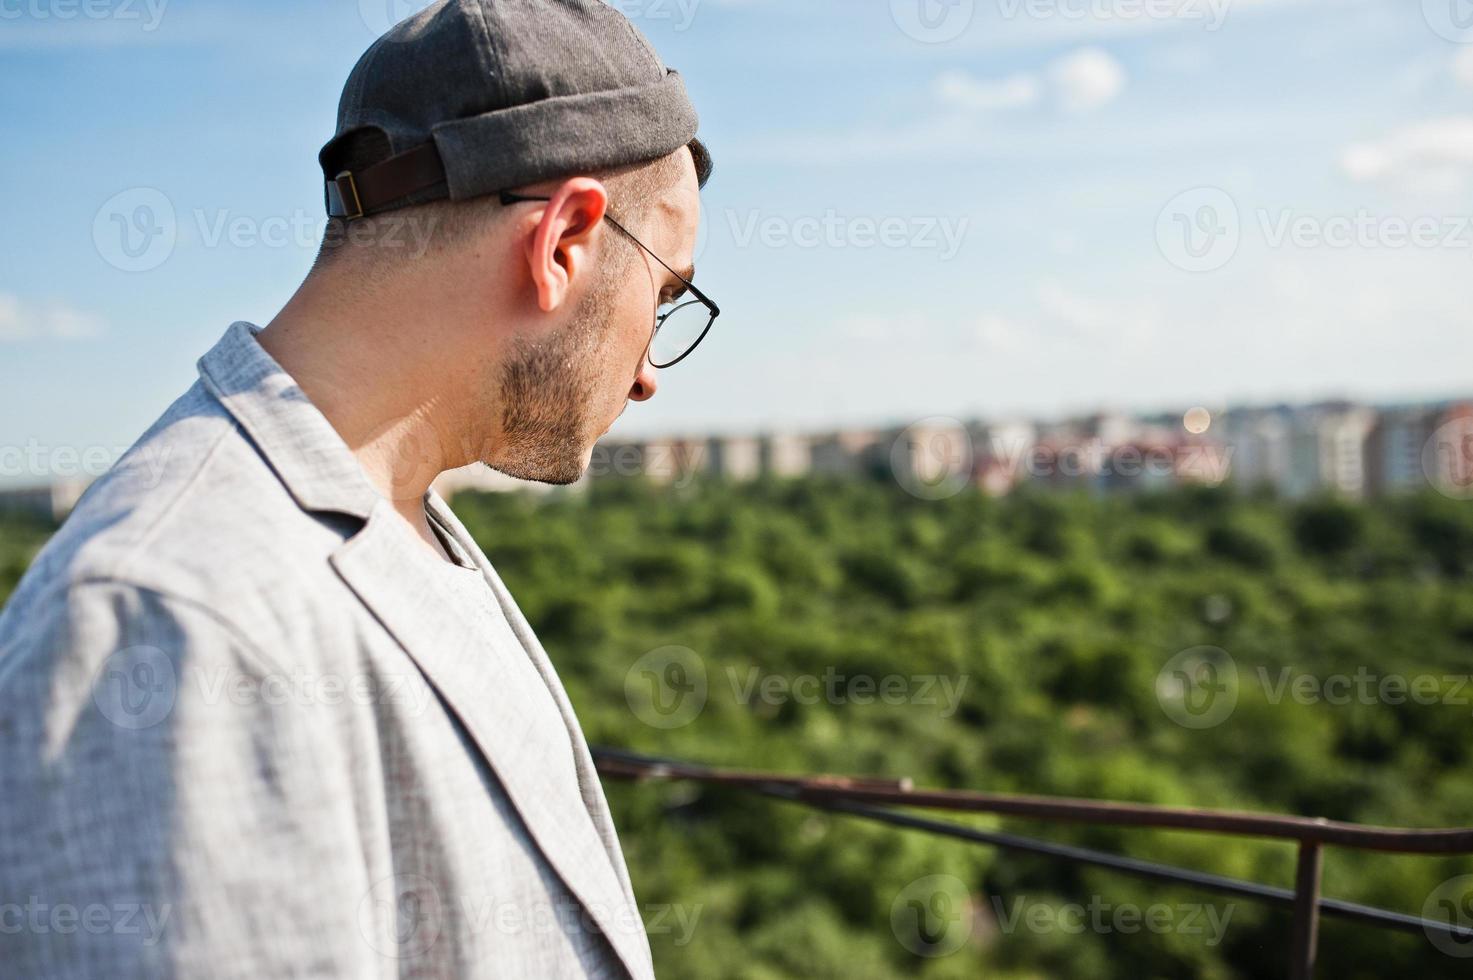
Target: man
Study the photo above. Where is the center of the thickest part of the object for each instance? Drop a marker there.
(273, 714)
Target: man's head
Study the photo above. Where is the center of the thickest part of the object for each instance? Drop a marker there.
(539, 313)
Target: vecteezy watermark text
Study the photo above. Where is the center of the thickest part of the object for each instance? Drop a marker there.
(1211, 13)
(1200, 230)
(403, 915)
(149, 12)
(668, 688)
(832, 687)
(138, 687)
(1201, 687)
(38, 917)
(138, 229)
(1102, 918)
(936, 233)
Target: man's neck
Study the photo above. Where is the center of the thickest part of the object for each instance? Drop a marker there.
(375, 393)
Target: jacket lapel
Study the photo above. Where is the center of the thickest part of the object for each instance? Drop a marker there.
(484, 682)
(492, 695)
(588, 780)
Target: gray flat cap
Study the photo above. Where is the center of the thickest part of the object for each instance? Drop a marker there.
(471, 97)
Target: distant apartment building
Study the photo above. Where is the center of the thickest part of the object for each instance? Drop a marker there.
(849, 453)
(676, 460)
(1332, 447)
(1327, 450)
(662, 461)
(1110, 428)
(1447, 456)
(1259, 440)
(930, 456)
(735, 457)
(1002, 454)
(785, 455)
(1394, 449)
(51, 502)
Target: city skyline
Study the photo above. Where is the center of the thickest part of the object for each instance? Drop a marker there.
(1038, 208)
(1349, 447)
(39, 472)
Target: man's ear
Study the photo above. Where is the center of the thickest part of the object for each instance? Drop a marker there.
(560, 247)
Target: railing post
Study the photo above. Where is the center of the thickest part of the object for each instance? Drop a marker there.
(1306, 911)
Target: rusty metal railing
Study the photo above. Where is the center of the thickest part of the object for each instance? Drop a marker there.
(877, 799)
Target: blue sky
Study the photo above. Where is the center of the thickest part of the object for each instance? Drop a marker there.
(921, 207)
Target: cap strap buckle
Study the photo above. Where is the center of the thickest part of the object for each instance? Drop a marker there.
(342, 197)
(383, 184)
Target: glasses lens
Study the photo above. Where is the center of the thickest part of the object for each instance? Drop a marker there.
(680, 329)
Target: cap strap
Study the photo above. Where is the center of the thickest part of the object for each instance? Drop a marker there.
(352, 194)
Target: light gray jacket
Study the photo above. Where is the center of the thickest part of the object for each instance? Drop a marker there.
(243, 733)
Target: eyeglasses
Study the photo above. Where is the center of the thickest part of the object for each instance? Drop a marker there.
(680, 324)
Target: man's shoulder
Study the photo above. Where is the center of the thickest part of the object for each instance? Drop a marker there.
(192, 510)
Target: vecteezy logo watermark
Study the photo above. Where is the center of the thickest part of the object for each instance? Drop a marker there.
(408, 233)
(933, 21)
(138, 229)
(1198, 688)
(1205, 463)
(932, 459)
(1212, 12)
(1364, 230)
(136, 687)
(410, 452)
(401, 916)
(1103, 918)
(1451, 19)
(150, 12)
(1363, 687)
(39, 460)
(932, 916)
(40, 918)
(941, 234)
(380, 15)
(835, 688)
(703, 234)
(666, 688)
(1199, 229)
(1452, 903)
(135, 230)
(482, 913)
(670, 462)
(679, 14)
(1447, 459)
(139, 686)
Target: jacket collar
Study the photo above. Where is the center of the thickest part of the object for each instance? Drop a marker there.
(308, 455)
(483, 682)
(377, 562)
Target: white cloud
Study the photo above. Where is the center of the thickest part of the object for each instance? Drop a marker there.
(1082, 80)
(1101, 321)
(1000, 334)
(24, 321)
(960, 89)
(1018, 25)
(1435, 155)
(1463, 66)
(1087, 79)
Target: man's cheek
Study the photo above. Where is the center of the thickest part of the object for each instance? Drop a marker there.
(639, 327)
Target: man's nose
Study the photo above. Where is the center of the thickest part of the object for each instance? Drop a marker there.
(644, 385)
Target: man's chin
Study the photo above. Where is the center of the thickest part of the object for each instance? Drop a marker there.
(559, 472)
